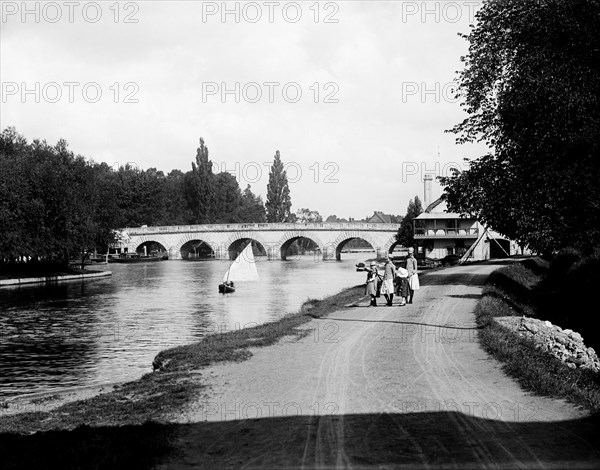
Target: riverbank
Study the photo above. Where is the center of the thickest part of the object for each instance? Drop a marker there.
(176, 381)
(51, 278)
(339, 384)
(542, 357)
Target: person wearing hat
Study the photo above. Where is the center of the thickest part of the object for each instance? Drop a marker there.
(387, 289)
(402, 288)
(413, 278)
(372, 277)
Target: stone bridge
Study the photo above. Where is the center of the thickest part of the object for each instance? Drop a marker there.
(226, 240)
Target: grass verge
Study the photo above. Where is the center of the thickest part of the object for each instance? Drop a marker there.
(509, 292)
(176, 381)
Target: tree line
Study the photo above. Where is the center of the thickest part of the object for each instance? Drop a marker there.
(52, 202)
(56, 205)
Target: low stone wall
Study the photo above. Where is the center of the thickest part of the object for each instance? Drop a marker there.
(565, 345)
(52, 279)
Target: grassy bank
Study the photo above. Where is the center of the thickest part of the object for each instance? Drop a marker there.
(32, 269)
(521, 289)
(176, 380)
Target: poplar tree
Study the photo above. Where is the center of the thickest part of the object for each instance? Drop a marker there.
(279, 202)
(203, 186)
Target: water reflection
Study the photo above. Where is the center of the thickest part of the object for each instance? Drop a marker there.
(110, 329)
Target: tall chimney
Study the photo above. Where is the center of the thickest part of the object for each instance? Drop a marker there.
(427, 179)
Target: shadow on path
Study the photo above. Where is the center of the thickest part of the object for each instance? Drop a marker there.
(466, 296)
(434, 439)
(450, 326)
(461, 278)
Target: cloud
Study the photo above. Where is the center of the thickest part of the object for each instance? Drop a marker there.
(375, 93)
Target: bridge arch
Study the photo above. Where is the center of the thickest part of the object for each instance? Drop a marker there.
(237, 246)
(150, 246)
(291, 236)
(390, 244)
(197, 248)
(146, 240)
(338, 244)
(178, 250)
(340, 247)
(233, 245)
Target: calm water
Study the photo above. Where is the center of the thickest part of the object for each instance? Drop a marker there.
(109, 330)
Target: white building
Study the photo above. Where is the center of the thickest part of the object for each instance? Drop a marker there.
(440, 233)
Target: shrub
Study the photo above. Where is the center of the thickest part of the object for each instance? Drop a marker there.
(560, 265)
(577, 293)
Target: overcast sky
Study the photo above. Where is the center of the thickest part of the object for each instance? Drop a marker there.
(355, 95)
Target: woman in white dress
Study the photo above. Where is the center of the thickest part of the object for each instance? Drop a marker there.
(387, 289)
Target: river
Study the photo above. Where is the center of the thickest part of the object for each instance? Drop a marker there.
(108, 330)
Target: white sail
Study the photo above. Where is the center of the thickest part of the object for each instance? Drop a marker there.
(243, 268)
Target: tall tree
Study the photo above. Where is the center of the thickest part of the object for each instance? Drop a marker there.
(406, 233)
(531, 88)
(279, 202)
(203, 186)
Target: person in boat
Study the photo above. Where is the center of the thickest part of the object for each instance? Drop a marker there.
(228, 284)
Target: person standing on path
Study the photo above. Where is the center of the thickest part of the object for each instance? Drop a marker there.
(413, 278)
(388, 280)
(401, 282)
(372, 278)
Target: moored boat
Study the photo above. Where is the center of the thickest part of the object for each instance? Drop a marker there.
(137, 258)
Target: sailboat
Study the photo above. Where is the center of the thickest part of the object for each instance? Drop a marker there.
(243, 268)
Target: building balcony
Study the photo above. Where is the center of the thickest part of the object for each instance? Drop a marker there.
(430, 233)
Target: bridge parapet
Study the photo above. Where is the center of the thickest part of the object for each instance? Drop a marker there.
(274, 238)
(324, 226)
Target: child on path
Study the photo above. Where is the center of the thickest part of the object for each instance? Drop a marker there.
(372, 277)
(402, 288)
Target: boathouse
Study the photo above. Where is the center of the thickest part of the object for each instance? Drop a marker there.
(440, 233)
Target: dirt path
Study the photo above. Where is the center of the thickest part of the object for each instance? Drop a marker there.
(405, 387)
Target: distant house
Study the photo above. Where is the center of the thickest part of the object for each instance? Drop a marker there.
(440, 233)
(379, 218)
